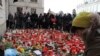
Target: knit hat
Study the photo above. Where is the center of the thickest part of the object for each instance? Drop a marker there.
(82, 20)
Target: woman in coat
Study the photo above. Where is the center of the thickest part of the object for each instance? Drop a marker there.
(87, 25)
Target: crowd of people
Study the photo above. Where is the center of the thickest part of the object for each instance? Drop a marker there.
(33, 20)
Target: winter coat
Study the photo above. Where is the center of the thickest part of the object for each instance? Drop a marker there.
(91, 37)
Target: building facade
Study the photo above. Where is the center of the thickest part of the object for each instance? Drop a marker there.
(89, 6)
(11, 6)
(2, 16)
(26, 6)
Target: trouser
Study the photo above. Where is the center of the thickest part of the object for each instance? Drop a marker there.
(18, 25)
(28, 25)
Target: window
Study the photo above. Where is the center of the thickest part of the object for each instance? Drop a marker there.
(33, 10)
(19, 9)
(34, 1)
(96, 0)
(86, 2)
(98, 7)
(20, 0)
(15, 0)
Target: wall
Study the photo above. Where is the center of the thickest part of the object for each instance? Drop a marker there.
(39, 6)
(90, 7)
(40, 10)
(2, 17)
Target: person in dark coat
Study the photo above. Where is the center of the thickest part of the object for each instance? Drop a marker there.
(10, 21)
(28, 23)
(16, 20)
(69, 22)
(65, 19)
(34, 20)
(53, 21)
(40, 21)
(19, 19)
(25, 20)
(44, 21)
(87, 25)
(59, 21)
(48, 20)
